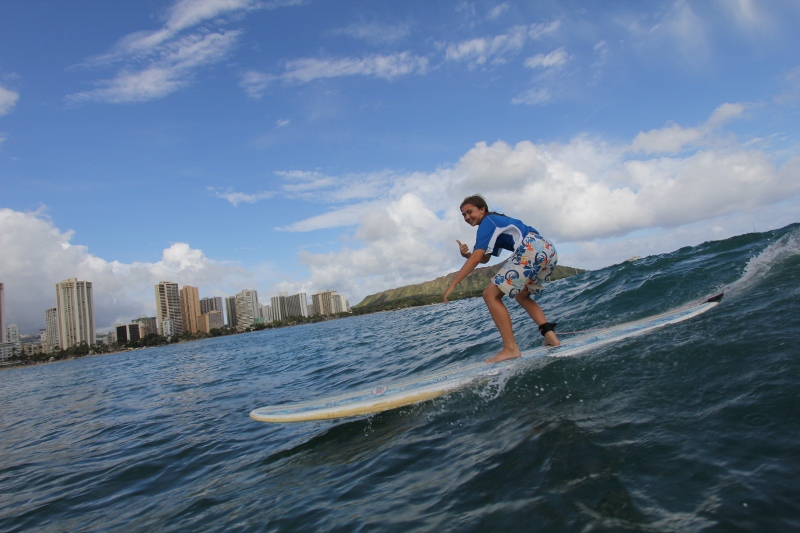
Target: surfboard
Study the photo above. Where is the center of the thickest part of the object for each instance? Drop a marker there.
(383, 396)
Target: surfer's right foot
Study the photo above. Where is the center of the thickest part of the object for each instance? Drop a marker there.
(505, 354)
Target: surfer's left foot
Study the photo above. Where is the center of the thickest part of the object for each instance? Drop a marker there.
(505, 354)
(550, 339)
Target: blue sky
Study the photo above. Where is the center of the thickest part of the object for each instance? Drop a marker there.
(309, 145)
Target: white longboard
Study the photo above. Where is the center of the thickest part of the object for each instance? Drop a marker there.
(388, 395)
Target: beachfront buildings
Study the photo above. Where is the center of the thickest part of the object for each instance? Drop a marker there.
(51, 338)
(247, 309)
(2, 314)
(329, 303)
(168, 309)
(211, 320)
(230, 310)
(190, 308)
(211, 304)
(75, 308)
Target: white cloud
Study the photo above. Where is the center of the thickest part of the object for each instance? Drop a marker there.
(498, 10)
(674, 138)
(679, 33)
(556, 58)
(387, 67)
(236, 198)
(479, 51)
(375, 32)
(172, 69)
(282, 123)
(160, 62)
(8, 99)
(255, 83)
(534, 96)
(578, 193)
(37, 255)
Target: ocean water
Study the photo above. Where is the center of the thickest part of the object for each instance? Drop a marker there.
(693, 427)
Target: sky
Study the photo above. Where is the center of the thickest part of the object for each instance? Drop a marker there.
(298, 146)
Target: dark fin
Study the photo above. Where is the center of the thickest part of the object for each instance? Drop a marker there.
(717, 297)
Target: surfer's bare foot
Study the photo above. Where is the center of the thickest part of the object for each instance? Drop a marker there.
(504, 354)
(550, 339)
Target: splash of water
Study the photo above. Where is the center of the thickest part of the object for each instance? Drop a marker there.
(760, 266)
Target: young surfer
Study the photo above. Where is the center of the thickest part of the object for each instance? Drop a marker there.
(531, 264)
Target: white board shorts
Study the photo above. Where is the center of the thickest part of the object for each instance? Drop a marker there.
(530, 266)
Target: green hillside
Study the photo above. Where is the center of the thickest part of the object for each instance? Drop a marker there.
(431, 291)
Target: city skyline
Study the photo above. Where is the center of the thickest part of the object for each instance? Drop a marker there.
(297, 146)
(78, 318)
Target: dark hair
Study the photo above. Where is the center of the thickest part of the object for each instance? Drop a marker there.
(478, 201)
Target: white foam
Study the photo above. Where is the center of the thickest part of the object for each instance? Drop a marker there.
(759, 266)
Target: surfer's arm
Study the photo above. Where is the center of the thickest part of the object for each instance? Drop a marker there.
(477, 256)
(465, 253)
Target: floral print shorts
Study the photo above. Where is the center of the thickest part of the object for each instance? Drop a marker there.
(530, 266)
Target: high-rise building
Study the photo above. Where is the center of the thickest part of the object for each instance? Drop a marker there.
(2, 314)
(230, 310)
(266, 313)
(51, 327)
(329, 303)
(246, 308)
(279, 307)
(168, 307)
(211, 304)
(322, 303)
(75, 305)
(148, 325)
(12, 333)
(190, 308)
(129, 332)
(297, 305)
(211, 320)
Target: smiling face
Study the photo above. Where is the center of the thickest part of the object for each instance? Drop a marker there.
(472, 214)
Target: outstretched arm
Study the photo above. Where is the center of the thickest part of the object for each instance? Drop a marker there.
(472, 261)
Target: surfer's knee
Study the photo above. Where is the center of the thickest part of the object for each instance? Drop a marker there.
(491, 292)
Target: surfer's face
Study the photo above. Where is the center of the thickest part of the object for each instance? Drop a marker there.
(472, 215)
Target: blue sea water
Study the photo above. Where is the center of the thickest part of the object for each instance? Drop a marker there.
(693, 427)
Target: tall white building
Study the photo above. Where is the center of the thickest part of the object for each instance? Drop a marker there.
(266, 314)
(297, 305)
(279, 307)
(246, 308)
(168, 307)
(2, 314)
(51, 327)
(75, 305)
(12, 333)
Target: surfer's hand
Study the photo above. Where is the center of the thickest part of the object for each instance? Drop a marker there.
(447, 293)
(464, 249)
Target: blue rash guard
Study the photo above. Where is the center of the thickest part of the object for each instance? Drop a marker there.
(499, 232)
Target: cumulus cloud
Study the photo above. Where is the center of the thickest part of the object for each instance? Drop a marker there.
(8, 99)
(583, 191)
(674, 138)
(37, 255)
